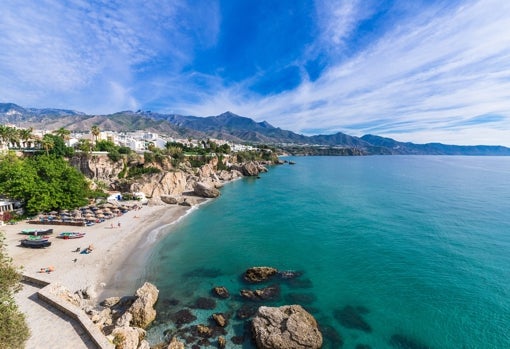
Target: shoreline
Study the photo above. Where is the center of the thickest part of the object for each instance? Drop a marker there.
(120, 252)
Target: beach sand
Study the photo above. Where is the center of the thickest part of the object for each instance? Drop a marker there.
(114, 267)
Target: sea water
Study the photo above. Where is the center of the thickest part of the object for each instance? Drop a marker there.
(394, 251)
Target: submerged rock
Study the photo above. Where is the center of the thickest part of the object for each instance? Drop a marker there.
(399, 341)
(267, 293)
(288, 326)
(246, 311)
(204, 303)
(350, 317)
(300, 298)
(259, 274)
(183, 316)
(331, 336)
(289, 274)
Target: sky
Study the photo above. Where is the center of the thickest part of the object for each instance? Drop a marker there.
(413, 70)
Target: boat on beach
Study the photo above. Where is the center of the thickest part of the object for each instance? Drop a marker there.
(36, 243)
(71, 235)
(37, 231)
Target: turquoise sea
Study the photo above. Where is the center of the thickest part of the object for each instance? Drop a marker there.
(394, 251)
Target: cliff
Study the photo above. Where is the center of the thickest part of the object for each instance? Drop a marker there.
(161, 180)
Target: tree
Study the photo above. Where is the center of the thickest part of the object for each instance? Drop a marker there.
(47, 143)
(14, 331)
(95, 132)
(43, 183)
(57, 146)
(84, 145)
(26, 136)
(63, 133)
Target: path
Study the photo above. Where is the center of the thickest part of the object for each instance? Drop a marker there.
(49, 327)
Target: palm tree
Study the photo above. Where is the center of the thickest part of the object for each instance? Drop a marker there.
(26, 136)
(3, 134)
(63, 133)
(13, 136)
(47, 143)
(95, 132)
(84, 145)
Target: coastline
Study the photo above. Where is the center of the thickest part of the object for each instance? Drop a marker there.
(118, 251)
(115, 267)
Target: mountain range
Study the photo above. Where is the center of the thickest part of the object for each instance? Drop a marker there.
(231, 127)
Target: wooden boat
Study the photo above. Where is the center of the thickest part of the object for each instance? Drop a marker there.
(71, 235)
(37, 231)
(37, 243)
(37, 237)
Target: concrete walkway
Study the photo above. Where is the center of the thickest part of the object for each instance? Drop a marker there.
(49, 327)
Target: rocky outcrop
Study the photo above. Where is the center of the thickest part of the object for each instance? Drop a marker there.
(170, 199)
(156, 185)
(221, 292)
(175, 344)
(259, 274)
(143, 308)
(220, 319)
(226, 176)
(122, 319)
(128, 337)
(222, 342)
(288, 326)
(98, 167)
(205, 190)
(267, 293)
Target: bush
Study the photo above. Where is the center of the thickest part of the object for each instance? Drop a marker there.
(139, 171)
(14, 331)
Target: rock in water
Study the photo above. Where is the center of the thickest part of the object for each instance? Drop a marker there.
(350, 317)
(175, 344)
(220, 319)
(221, 292)
(206, 191)
(267, 293)
(259, 274)
(250, 169)
(143, 308)
(128, 337)
(289, 326)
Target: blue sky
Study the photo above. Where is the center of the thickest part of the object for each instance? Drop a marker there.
(420, 70)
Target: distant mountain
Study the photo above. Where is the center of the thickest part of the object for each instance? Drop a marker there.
(433, 148)
(230, 126)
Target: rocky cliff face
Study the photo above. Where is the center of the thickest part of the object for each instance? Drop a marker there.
(98, 167)
(170, 182)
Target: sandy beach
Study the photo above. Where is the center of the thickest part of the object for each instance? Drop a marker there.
(114, 267)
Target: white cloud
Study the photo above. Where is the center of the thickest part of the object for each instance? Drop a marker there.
(454, 66)
(418, 81)
(54, 50)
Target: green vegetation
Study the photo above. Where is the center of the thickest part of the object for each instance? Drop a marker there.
(14, 330)
(43, 182)
(138, 171)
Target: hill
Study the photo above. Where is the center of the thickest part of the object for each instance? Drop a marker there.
(229, 126)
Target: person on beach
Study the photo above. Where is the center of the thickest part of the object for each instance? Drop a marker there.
(118, 224)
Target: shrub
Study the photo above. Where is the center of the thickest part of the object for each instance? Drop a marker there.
(139, 171)
(14, 330)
